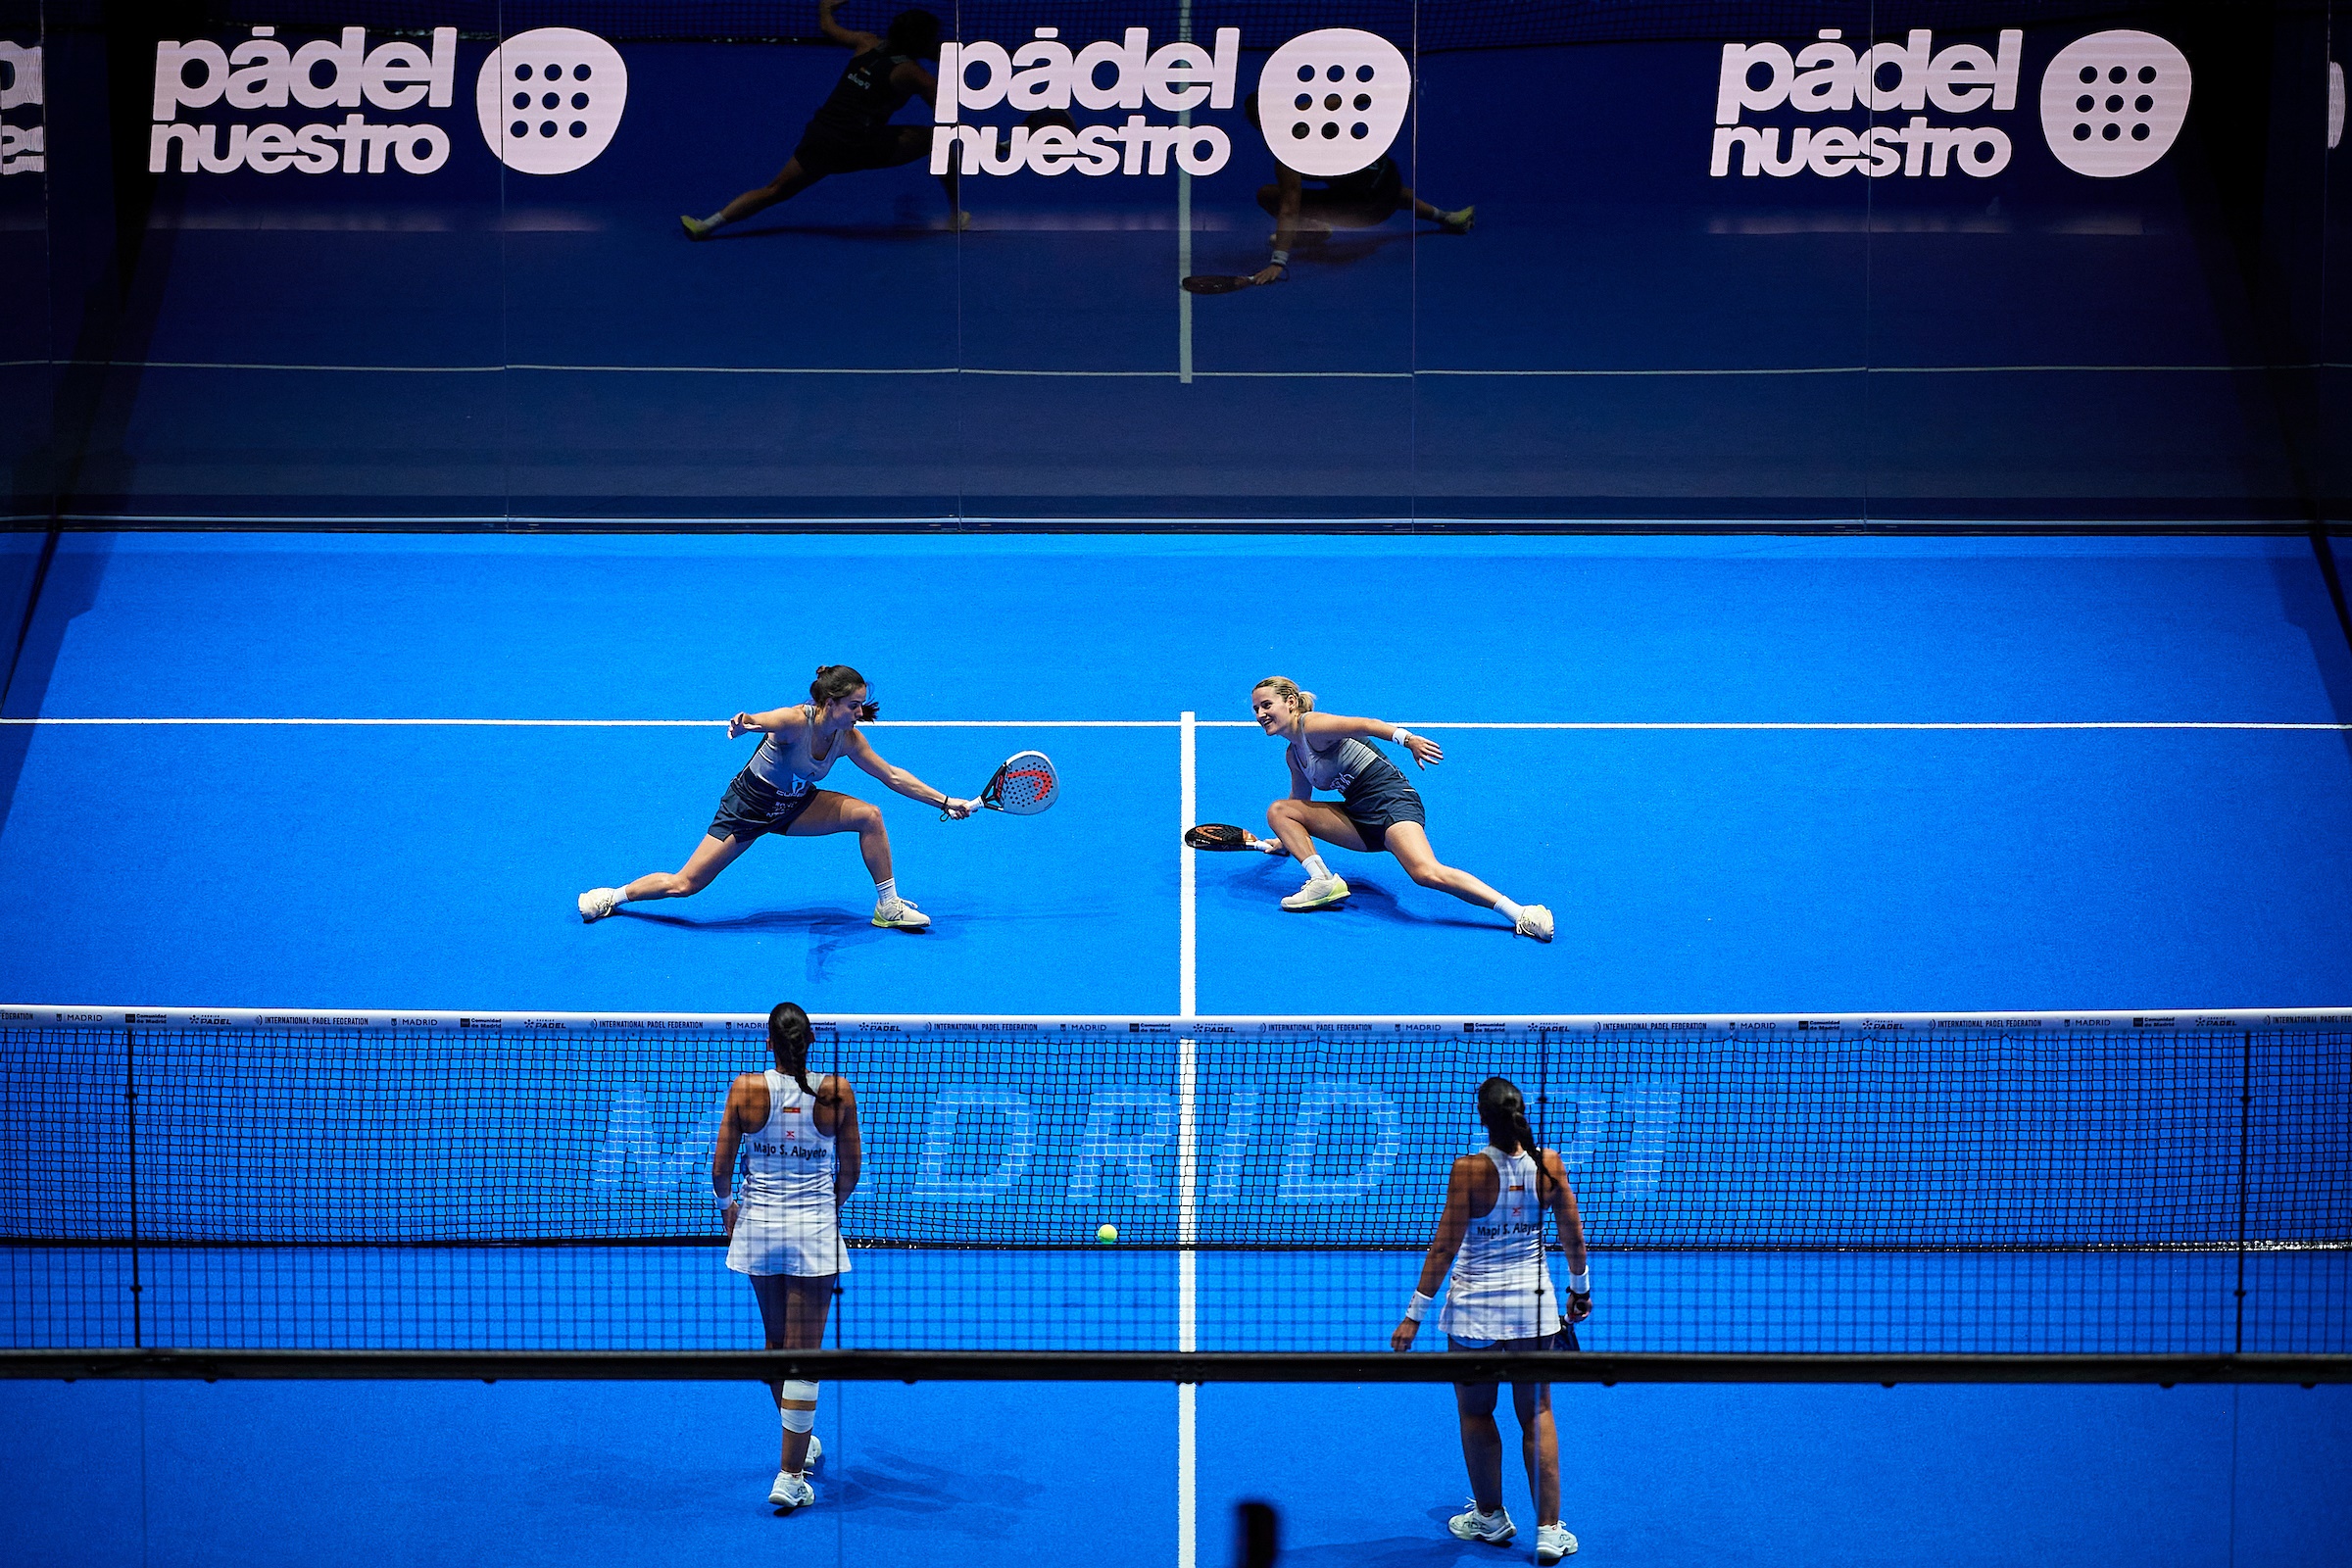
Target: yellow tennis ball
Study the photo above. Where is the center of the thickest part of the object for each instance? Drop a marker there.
(1107, 1234)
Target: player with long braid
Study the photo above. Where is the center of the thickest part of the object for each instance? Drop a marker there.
(1490, 1235)
(801, 1155)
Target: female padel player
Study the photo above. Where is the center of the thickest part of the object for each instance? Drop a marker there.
(1501, 1301)
(1378, 807)
(850, 129)
(1364, 199)
(801, 1159)
(777, 792)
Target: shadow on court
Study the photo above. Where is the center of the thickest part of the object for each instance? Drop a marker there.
(1260, 885)
(958, 1501)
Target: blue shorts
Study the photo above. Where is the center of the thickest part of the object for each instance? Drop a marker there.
(1377, 799)
(1564, 1339)
(751, 806)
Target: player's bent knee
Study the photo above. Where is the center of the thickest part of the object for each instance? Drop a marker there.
(1429, 876)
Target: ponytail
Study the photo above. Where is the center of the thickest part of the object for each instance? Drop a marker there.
(1502, 1110)
(788, 1036)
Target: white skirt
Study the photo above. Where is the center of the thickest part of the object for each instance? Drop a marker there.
(781, 1241)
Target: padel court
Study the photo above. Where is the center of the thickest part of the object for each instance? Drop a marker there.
(2196, 863)
(1850, 489)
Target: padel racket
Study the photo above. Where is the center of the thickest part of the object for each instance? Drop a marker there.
(1216, 283)
(1219, 836)
(1023, 787)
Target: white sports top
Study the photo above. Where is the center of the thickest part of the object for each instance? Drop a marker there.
(788, 1224)
(791, 768)
(788, 1164)
(1335, 766)
(1502, 1278)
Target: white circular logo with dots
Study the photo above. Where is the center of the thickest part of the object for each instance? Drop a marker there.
(2112, 103)
(1332, 101)
(551, 99)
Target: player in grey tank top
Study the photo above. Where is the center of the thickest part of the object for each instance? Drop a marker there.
(1504, 1256)
(1378, 809)
(777, 792)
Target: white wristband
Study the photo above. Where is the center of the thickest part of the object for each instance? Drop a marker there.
(1399, 735)
(1419, 1304)
(1281, 258)
(1581, 1283)
(726, 1200)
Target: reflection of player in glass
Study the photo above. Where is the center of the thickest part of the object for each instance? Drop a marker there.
(1501, 1299)
(801, 1155)
(1378, 807)
(850, 129)
(1365, 198)
(776, 793)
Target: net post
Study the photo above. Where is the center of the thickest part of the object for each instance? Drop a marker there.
(130, 1118)
(2245, 1113)
(1184, 230)
(1186, 928)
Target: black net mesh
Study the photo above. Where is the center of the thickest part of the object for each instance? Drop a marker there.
(2112, 1192)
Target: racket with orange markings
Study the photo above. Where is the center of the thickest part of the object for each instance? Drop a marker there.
(1023, 787)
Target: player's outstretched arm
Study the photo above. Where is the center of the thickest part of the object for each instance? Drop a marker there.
(776, 719)
(849, 1143)
(1286, 224)
(1453, 1223)
(1426, 752)
(901, 782)
(847, 38)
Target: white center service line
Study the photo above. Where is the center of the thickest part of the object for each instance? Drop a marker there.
(1229, 723)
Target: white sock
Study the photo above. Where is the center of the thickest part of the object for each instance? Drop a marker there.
(884, 892)
(620, 895)
(717, 219)
(1507, 909)
(1313, 866)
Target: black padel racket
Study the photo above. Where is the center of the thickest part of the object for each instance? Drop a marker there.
(1216, 283)
(1023, 787)
(1219, 836)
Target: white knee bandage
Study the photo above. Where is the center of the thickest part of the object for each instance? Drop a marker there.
(793, 1391)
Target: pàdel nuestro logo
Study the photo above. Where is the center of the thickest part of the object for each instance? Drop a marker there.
(2112, 104)
(23, 148)
(548, 101)
(1329, 103)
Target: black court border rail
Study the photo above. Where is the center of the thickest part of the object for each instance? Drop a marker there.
(1156, 1366)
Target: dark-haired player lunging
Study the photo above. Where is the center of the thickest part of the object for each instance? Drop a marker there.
(850, 129)
(1365, 198)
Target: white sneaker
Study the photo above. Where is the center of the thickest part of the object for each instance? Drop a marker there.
(597, 902)
(1552, 1542)
(816, 1452)
(1492, 1528)
(1317, 891)
(1534, 921)
(900, 914)
(791, 1491)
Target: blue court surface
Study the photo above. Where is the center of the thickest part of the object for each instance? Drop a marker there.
(1951, 860)
(1693, 869)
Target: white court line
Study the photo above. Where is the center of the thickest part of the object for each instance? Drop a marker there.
(1244, 723)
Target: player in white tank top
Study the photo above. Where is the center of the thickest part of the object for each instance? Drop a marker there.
(1491, 1233)
(796, 1136)
(777, 792)
(1379, 809)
